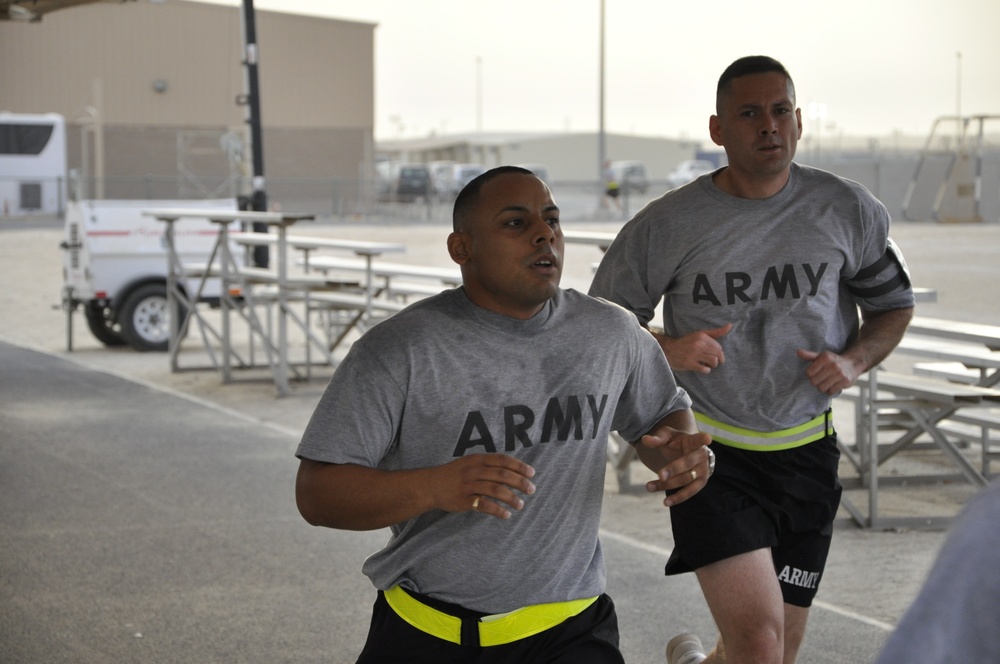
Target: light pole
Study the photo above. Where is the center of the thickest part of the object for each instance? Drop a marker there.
(85, 188)
(98, 86)
(817, 112)
(479, 94)
(258, 199)
(602, 148)
(958, 86)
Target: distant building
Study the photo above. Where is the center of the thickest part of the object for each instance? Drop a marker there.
(567, 156)
(156, 84)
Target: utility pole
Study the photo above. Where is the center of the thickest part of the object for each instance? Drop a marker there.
(258, 199)
(601, 139)
(479, 95)
(958, 87)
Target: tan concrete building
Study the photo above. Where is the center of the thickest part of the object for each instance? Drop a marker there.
(149, 91)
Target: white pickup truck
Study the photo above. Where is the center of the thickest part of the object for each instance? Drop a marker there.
(115, 267)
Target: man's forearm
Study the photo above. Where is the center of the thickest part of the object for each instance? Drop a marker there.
(354, 497)
(880, 333)
(681, 421)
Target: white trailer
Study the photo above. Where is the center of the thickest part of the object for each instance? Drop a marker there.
(115, 267)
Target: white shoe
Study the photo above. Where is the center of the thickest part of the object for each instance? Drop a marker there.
(685, 649)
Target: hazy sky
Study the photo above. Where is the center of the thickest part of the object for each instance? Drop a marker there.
(877, 66)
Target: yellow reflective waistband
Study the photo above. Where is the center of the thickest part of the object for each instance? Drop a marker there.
(819, 427)
(494, 630)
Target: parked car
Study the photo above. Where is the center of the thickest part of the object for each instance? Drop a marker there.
(457, 177)
(440, 176)
(412, 182)
(687, 171)
(630, 176)
(402, 182)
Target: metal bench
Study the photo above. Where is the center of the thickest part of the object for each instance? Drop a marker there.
(916, 406)
(954, 372)
(975, 358)
(978, 427)
(987, 335)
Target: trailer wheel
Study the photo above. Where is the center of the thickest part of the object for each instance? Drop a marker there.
(145, 319)
(101, 323)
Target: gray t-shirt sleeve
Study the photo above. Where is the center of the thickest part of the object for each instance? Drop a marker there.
(622, 276)
(650, 388)
(361, 407)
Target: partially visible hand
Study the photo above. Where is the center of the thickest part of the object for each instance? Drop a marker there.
(688, 467)
(828, 372)
(699, 351)
(483, 483)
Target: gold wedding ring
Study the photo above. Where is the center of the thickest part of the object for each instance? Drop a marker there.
(475, 503)
(694, 474)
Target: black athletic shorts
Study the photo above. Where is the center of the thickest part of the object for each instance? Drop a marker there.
(591, 637)
(784, 500)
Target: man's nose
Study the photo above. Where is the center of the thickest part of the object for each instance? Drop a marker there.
(768, 126)
(545, 233)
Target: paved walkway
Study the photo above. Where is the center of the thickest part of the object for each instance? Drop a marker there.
(149, 516)
(142, 525)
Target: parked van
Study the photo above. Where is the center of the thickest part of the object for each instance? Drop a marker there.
(630, 176)
(689, 170)
(402, 182)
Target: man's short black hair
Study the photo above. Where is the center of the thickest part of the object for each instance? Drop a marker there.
(751, 64)
(467, 197)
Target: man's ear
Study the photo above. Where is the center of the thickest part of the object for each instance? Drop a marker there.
(458, 247)
(715, 129)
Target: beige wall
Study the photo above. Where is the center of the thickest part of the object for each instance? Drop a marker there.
(316, 77)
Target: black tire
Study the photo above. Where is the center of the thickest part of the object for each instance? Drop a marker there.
(102, 325)
(144, 318)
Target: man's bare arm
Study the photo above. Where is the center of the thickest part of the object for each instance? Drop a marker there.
(699, 351)
(678, 454)
(880, 333)
(353, 497)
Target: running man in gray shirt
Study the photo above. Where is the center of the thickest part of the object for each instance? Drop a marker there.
(474, 425)
(761, 268)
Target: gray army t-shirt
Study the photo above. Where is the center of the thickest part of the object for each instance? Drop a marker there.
(446, 378)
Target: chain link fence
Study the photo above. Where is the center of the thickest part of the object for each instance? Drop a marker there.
(910, 188)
